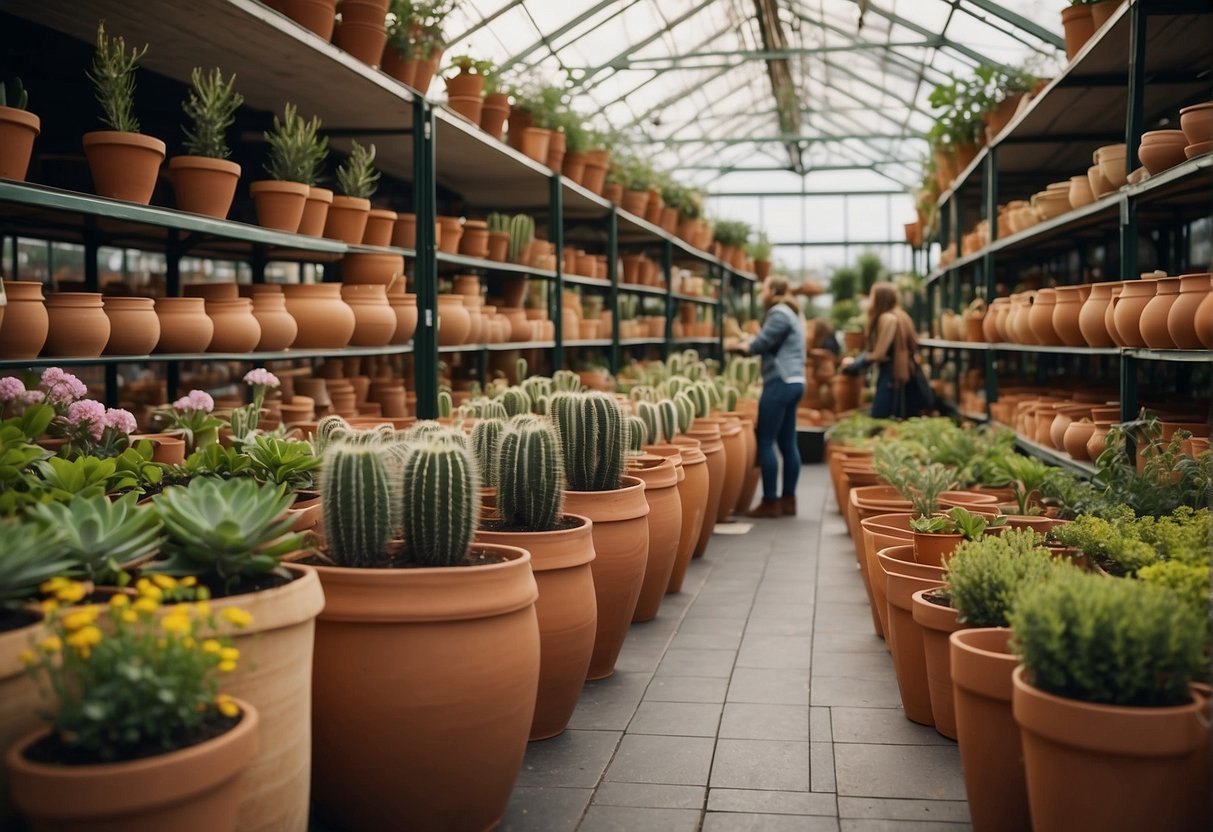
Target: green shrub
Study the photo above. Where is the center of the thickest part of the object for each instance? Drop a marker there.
(984, 577)
(1189, 582)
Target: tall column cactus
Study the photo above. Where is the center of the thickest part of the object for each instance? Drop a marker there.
(356, 500)
(530, 475)
(515, 401)
(637, 433)
(593, 439)
(686, 411)
(441, 502)
(486, 439)
(650, 414)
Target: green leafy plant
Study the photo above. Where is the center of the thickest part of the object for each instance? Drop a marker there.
(113, 77)
(13, 94)
(33, 554)
(103, 538)
(985, 575)
(933, 525)
(211, 106)
(85, 476)
(923, 485)
(297, 151)
(214, 461)
(357, 175)
(467, 65)
(1029, 478)
(282, 462)
(761, 248)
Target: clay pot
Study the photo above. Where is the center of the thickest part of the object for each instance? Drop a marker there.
(693, 496)
(556, 151)
(707, 431)
(1181, 319)
(236, 329)
(847, 392)
(24, 326)
(78, 326)
(1064, 416)
(278, 328)
(1079, 27)
(454, 322)
(938, 622)
(475, 239)
(1111, 161)
(1077, 435)
(465, 642)
(636, 202)
(1204, 321)
(933, 549)
(21, 700)
(1091, 319)
(450, 232)
(1134, 296)
(405, 307)
(279, 204)
(735, 466)
(211, 291)
(1080, 192)
(315, 211)
(660, 476)
(499, 246)
(520, 328)
(904, 634)
(184, 325)
(374, 320)
(1098, 182)
(347, 218)
(379, 226)
(404, 233)
(536, 142)
(320, 16)
(989, 324)
(493, 113)
(123, 165)
(324, 320)
(134, 327)
(597, 162)
(1066, 313)
(573, 167)
(1153, 323)
(381, 269)
(18, 129)
(204, 185)
(878, 533)
(991, 755)
(1098, 442)
(1040, 318)
(362, 31)
(1161, 150)
(1197, 122)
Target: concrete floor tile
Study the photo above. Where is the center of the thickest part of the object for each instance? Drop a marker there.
(775, 627)
(601, 818)
(775, 651)
(548, 809)
(842, 618)
(706, 641)
(820, 729)
(734, 610)
(887, 726)
(761, 764)
(608, 704)
(758, 801)
(650, 795)
(821, 767)
(743, 720)
(888, 808)
(870, 825)
(783, 612)
(694, 662)
(652, 759)
(575, 758)
(705, 625)
(682, 719)
(733, 822)
(862, 693)
(929, 772)
(640, 660)
(686, 689)
(877, 667)
(770, 687)
(863, 640)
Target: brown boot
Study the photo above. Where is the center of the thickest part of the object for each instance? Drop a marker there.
(787, 505)
(767, 508)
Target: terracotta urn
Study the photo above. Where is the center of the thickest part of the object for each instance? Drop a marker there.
(78, 326)
(236, 329)
(1066, 313)
(1153, 324)
(476, 333)
(315, 211)
(1065, 415)
(1021, 324)
(134, 327)
(184, 325)
(1181, 318)
(991, 326)
(454, 322)
(1077, 435)
(25, 323)
(1040, 318)
(1135, 295)
(1091, 319)
(1204, 321)
(325, 321)
(405, 307)
(374, 320)
(278, 328)
(1098, 182)
(1098, 440)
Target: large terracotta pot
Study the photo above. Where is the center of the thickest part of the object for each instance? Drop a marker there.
(20, 701)
(835, 457)
(1204, 321)
(325, 321)
(315, 211)
(1091, 317)
(693, 498)
(25, 324)
(938, 622)
(621, 547)
(1153, 324)
(1066, 313)
(1075, 751)
(1079, 26)
(191, 788)
(749, 484)
(454, 321)
(78, 326)
(731, 436)
(374, 320)
(707, 431)
(464, 642)
(847, 392)
(236, 329)
(1131, 305)
(870, 501)
(347, 218)
(878, 534)
(18, 129)
(204, 185)
(567, 613)
(134, 327)
(1077, 435)
(1040, 318)
(184, 325)
(405, 307)
(904, 635)
(991, 756)
(278, 328)
(280, 205)
(660, 475)
(123, 165)
(1181, 319)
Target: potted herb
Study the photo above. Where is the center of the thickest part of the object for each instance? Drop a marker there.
(1029, 478)
(297, 153)
(415, 41)
(465, 89)
(938, 535)
(123, 162)
(358, 180)
(760, 250)
(204, 180)
(18, 129)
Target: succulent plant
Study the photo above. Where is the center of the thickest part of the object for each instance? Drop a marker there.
(32, 555)
(441, 502)
(530, 474)
(357, 503)
(357, 176)
(113, 77)
(101, 536)
(486, 439)
(593, 438)
(282, 462)
(13, 94)
(212, 106)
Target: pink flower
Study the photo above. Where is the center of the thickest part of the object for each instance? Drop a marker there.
(87, 412)
(261, 376)
(62, 387)
(120, 420)
(11, 390)
(196, 400)
(34, 397)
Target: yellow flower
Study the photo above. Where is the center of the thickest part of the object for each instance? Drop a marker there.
(229, 654)
(202, 609)
(145, 604)
(188, 643)
(84, 639)
(130, 616)
(211, 646)
(175, 624)
(147, 589)
(236, 617)
(81, 618)
(202, 593)
(189, 580)
(227, 706)
(227, 667)
(71, 593)
(49, 606)
(180, 609)
(54, 584)
(164, 581)
(119, 600)
(27, 657)
(51, 644)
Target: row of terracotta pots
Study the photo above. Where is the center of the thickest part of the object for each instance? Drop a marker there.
(580, 262)
(641, 270)
(1081, 21)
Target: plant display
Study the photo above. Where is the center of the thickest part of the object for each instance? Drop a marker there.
(357, 498)
(282, 462)
(1124, 544)
(732, 233)
(1029, 479)
(1169, 478)
(530, 475)
(486, 439)
(191, 414)
(297, 151)
(357, 175)
(130, 682)
(985, 575)
(211, 107)
(102, 537)
(113, 77)
(593, 439)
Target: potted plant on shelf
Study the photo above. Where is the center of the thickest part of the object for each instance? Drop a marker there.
(760, 250)
(204, 180)
(18, 129)
(465, 89)
(496, 107)
(358, 180)
(123, 162)
(363, 29)
(318, 16)
(415, 41)
(1079, 26)
(296, 154)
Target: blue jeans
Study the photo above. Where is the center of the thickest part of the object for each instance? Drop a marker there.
(777, 426)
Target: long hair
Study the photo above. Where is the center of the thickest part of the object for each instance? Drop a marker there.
(778, 287)
(882, 299)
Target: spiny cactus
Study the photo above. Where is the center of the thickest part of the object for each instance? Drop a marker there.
(650, 414)
(686, 411)
(530, 475)
(424, 431)
(521, 368)
(730, 398)
(357, 503)
(522, 232)
(675, 362)
(593, 438)
(542, 405)
(637, 433)
(330, 429)
(698, 398)
(669, 421)
(486, 439)
(445, 404)
(515, 401)
(441, 502)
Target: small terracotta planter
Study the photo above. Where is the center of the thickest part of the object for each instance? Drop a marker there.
(938, 622)
(451, 230)
(134, 327)
(280, 205)
(363, 35)
(167, 448)
(1197, 123)
(404, 234)
(475, 239)
(235, 328)
(124, 165)
(319, 16)
(315, 211)
(26, 323)
(468, 106)
(499, 246)
(660, 476)
(493, 113)
(536, 141)
(347, 219)
(380, 223)
(18, 129)
(78, 325)
(933, 549)
(204, 185)
(184, 325)
(635, 202)
(573, 167)
(556, 151)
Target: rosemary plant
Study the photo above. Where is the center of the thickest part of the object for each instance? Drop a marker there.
(297, 151)
(357, 175)
(211, 106)
(113, 77)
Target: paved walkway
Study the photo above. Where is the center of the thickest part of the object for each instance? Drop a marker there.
(759, 700)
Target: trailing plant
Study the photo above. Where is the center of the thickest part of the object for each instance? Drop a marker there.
(211, 106)
(103, 537)
(441, 501)
(593, 438)
(985, 575)
(297, 150)
(357, 503)
(113, 77)
(357, 175)
(530, 475)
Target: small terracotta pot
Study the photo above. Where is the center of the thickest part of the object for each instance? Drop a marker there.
(934, 549)
(134, 327)
(468, 106)
(363, 267)
(938, 623)
(347, 218)
(493, 113)
(404, 234)
(451, 231)
(25, 322)
(280, 205)
(18, 129)
(278, 328)
(556, 151)
(184, 325)
(78, 326)
(475, 239)
(325, 321)
(315, 211)
(204, 185)
(374, 320)
(536, 141)
(660, 476)
(1181, 319)
(365, 41)
(124, 165)
(380, 223)
(1204, 321)
(499, 246)
(395, 65)
(320, 16)
(405, 307)
(236, 329)
(1079, 27)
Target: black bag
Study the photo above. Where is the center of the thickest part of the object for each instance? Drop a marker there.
(915, 397)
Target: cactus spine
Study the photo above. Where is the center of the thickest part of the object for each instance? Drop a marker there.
(441, 502)
(357, 505)
(530, 475)
(593, 438)
(486, 439)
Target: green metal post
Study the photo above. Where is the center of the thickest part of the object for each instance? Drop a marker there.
(613, 276)
(425, 276)
(556, 232)
(667, 269)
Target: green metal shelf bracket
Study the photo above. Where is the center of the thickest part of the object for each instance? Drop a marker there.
(613, 276)
(425, 278)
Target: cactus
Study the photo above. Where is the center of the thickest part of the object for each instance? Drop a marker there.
(543, 405)
(566, 381)
(499, 223)
(13, 94)
(425, 431)
(520, 367)
(650, 414)
(329, 430)
(730, 399)
(522, 232)
(686, 411)
(486, 439)
(475, 390)
(530, 475)
(637, 433)
(356, 499)
(441, 502)
(445, 404)
(593, 438)
(515, 401)
(675, 363)
(668, 419)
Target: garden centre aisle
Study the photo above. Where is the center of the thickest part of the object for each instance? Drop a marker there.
(758, 700)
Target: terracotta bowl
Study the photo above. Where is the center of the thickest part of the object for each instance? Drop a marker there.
(1164, 137)
(1197, 123)
(1161, 156)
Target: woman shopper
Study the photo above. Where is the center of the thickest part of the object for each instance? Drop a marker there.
(780, 342)
(901, 388)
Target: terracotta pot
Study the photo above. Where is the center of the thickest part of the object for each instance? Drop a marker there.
(1073, 750)
(499, 246)
(475, 239)
(904, 635)
(707, 431)
(621, 546)
(278, 328)
(381, 269)
(347, 218)
(847, 392)
(938, 623)
(454, 322)
(363, 40)
(879, 533)
(536, 141)
(989, 328)
(1134, 296)
(317, 15)
(573, 166)
(451, 230)
(1102, 11)
(1040, 318)
(167, 448)
(1066, 313)
(315, 211)
(374, 320)
(396, 65)
(1079, 27)
(693, 490)
(134, 327)
(991, 755)
(468, 106)
(235, 327)
(567, 613)
(613, 193)
(20, 701)
(1204, 321)
(735, 467)
(636, 202)
(1154, 317)
(465, 642)
(654, 207)
(199, 783)
(405, 307)
(933, 549)
(204, 185)
(1091, 319)
(1197, 122)
(380, 223)
(18, 129)
(325, 321)
(123, 165)
(1160, 155)
(424, 74)
(660, 475)
(556, 151)
(1111, 161)
(1098, 182)
(211, 291)
(493, 113)
(1098, 442)
(184, 325)
(279, 205)
(1181, 318)
(25, 323)
(1077, 435)
(78, 326)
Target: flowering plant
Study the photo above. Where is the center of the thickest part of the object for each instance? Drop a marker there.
(244, 420)
(93, 429)
(135, 677)
(89, 426)
(191, 414)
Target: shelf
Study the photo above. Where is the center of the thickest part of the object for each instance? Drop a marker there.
(578, 280)
(492, 266)
(485, 172)
(694, 299)
(1055, 350)
(696, 340)
(581, 203)
(589, 342)
(638, 289)
(1058, 458)
(640, 342)
(1190, 356)
(953, 345)
(519, 345)
(161, 358)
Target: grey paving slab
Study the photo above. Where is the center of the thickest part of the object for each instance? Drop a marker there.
(650, 795)
(916, 771)
(751, 721)
(783, 612)
(767, 686)
(697, 662)
(736, 611)
(759, 650)
(601, 818)
(876, 666)
(864, 640)
(687, 689)
(888, 808)
(863, 693)
(777, 627)
(608, 704)
(761, 801)
(683, 719)
(640, 660)
(821, 767)
(761, 764)
(835, 617)
(654, 759)
(550, 809)
(882, 725)
(706, 641)
(820, 729)
(733, 822)
(706, 625)
(575, 758)
(870, 825)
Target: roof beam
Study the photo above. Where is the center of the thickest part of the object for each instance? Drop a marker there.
(783, 82)
(794, 139)
(1019, 22)
(485, 21)
(658, 73)
(950, 45)
(798, 194)
(549, 38)
(767, 54)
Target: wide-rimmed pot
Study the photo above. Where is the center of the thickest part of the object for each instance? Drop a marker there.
(463, 641)
(660, 476)
(536, 142)
(380, 224)
(280, 205)
(693, 492)
(124, 165)
(904, 635)
(204, 185)
(932, 549)
(1181, 319)
(938, 622)
(18, 129)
